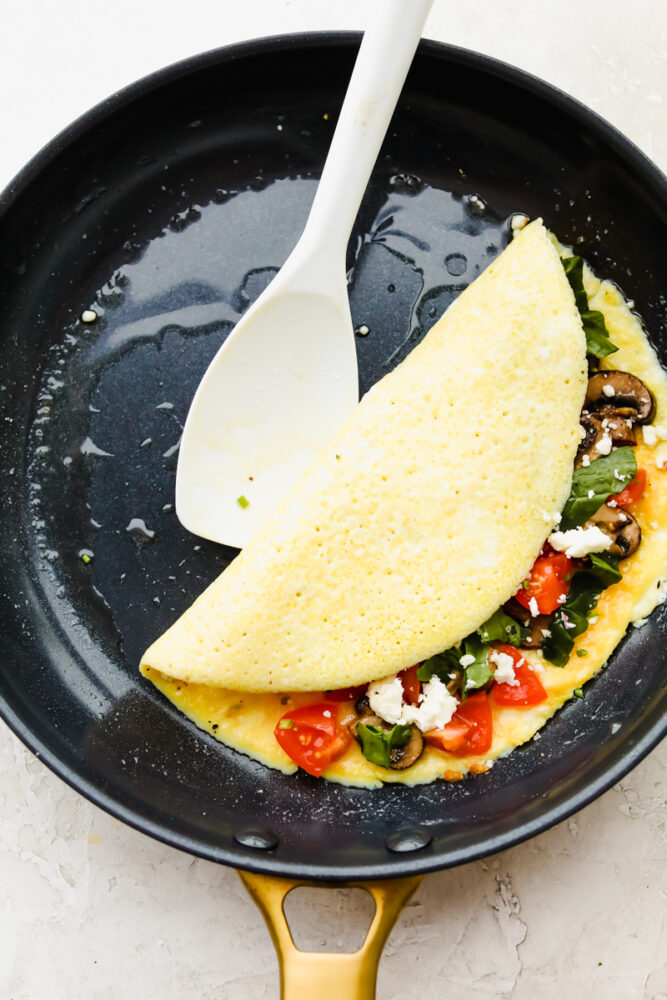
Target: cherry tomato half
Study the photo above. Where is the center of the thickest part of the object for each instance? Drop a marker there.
(546, 582)
(411, 686)
(312, 737)
(633, 492)
(346, 694)
(470, 731)
(529, 690)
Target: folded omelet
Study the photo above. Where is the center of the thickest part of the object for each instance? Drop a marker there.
(426, 511)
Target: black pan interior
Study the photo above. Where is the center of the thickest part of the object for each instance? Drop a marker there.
(167, 209)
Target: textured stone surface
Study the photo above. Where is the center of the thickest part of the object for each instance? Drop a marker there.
(92, 910)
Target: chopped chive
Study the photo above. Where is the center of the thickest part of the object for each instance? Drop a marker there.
(338, 457)
(525, 585)
(243, 501)
(582, 652)
(286, 724)
(578, 693)
(85, 558)
(568, 577)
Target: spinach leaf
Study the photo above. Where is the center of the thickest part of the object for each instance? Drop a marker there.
(574, 270)
(598, 342)
(377, 744)
(441, 665)
(597, 336)
(605, 567)
(571, 619)
(474, 676)
(478, 673)
(603, 477)
(502, 628)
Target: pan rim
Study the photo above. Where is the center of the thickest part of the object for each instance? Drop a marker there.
(652, 730)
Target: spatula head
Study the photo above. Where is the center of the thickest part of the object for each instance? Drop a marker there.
(273, 396)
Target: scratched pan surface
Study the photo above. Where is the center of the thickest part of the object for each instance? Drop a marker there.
(166, 210)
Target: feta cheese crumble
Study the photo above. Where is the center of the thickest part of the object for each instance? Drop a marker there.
(386, 698)
(653, 433)
(436, 705)
(608, 390)
(467, 660)
(580, 542)
(533, 608)
(585, 461)
(504, 664)
(604, 445)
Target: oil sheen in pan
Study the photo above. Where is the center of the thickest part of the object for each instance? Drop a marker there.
(115, 392)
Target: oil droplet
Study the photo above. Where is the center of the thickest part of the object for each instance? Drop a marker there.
(456, 263)
(139, 532)
(363, 330)
(88, 316)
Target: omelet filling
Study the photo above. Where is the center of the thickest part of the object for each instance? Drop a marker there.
(603, 566)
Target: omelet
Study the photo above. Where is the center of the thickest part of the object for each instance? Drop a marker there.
(246, 721)
(424, 513)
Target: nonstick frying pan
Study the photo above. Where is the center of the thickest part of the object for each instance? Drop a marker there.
(165, 211)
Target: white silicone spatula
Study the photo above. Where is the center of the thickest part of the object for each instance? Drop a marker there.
(286, 377)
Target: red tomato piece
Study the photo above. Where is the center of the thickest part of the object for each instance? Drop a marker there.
(469, 732)
(633, 492)
(452, 737)
(314, 739)
(411, 686)
(529, 690)
(546, 582)
(346, 694)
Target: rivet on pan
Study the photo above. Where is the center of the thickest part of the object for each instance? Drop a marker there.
(261, 840)
(408, 840)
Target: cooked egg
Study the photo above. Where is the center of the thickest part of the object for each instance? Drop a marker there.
(246, 721)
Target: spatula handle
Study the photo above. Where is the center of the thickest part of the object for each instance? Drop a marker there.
(304, 975)
(384, 58)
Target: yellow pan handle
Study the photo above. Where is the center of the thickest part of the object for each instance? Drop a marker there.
(335, 976)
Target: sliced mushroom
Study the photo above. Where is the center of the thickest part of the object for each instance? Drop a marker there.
(406, 756)
(621, 526)
(619, 423)
(400, 757)
(593, 432)
(628, 391)
(536, 625)
(454, 682)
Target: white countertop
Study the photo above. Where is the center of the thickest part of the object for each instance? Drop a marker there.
(91, 909)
